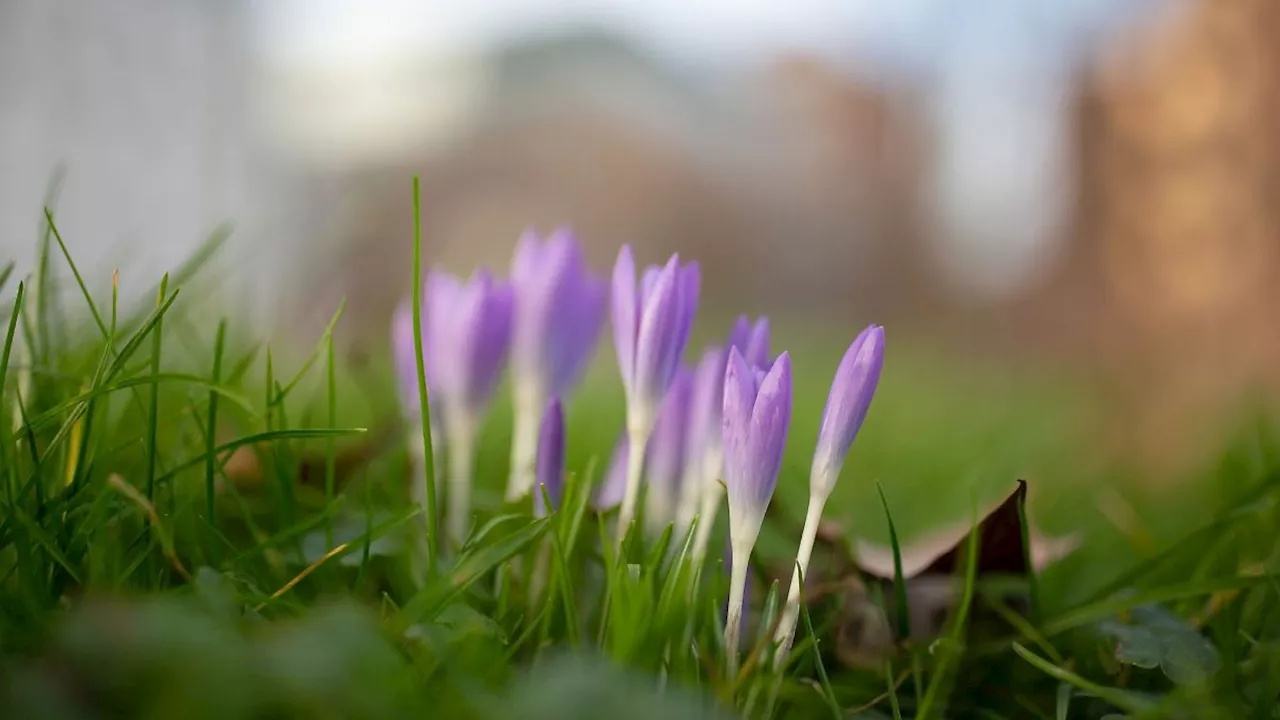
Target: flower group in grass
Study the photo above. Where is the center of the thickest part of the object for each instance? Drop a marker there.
(693, 434)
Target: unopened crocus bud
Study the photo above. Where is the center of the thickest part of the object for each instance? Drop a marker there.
(467, 334)
(703, 490)
(559, 310)
(550, 461)
(665, 463)
(700, 494)
(851, 392)
(651, 325)
(757, 417)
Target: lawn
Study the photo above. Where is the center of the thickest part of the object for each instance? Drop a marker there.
(193, 524)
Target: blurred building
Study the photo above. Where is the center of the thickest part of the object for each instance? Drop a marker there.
(781, 181)
(143, 104)
(1174, 279)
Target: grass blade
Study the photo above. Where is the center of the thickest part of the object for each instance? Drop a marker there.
(211, 431)
(899, 582)
(428, 453)
(153, 410)
(1121, 699)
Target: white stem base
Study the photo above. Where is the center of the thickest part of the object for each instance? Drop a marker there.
(637, 440)
(786, 633)
(529, 407)
(733, 618)
(710, 505)
(462, 448)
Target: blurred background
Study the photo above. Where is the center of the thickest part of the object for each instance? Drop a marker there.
(1064, 211)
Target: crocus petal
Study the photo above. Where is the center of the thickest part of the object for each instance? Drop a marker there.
(757, 348)
(665, 460)
(489, 337)
(656, 355)
(740, 335)
(443, 298)
(739, 398)
(851, 392)
(405, 356)
(626, 317)
(690, 287)
(647, 282)
(524, 262)
(550, 463)
(583, 311)
(770, 420)
(609, 494)
(559, 310)
(707, 403)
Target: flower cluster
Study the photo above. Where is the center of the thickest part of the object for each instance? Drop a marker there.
(692, 435)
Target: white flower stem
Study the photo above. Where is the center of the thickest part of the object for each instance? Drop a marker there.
(733, 618)
(524, 441)
(710, 503)
(791, 612)
(462, 448)
(637, 440)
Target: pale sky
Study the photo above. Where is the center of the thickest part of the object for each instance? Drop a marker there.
(894, 34)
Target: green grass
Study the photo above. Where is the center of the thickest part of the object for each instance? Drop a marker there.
(145, 572)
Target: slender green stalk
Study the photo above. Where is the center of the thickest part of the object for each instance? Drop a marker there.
(153, 414)
(428, 453)
(211, 433)
(331, 445)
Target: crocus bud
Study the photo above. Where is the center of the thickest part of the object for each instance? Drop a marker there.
(468, 333)
(757, 416)
(467, 336)
(611, 490)
(664, 468)
(651, 328)
(702, 444)
(559, 310)
(851, 392)
(550, 463)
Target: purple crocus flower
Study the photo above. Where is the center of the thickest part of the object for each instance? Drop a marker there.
(610, 492)
(651, 326)
(467, 333)
(665, 463)
(559, 310)
(705, 455)
(550, 462)
(851, 392)
(757, 416)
